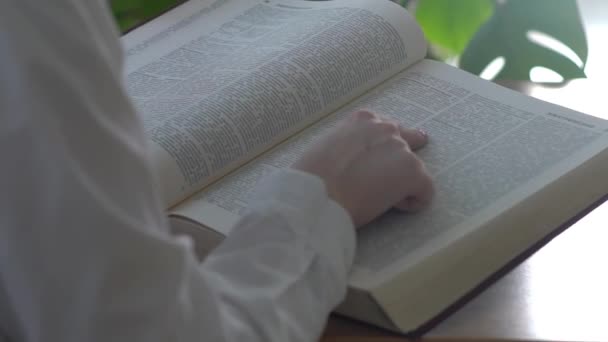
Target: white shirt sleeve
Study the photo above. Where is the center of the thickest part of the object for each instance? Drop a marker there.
(85, 253)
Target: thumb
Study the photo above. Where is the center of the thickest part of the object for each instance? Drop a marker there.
(420, 195)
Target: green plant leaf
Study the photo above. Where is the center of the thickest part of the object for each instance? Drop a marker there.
(450, 24)
(506, 35)
(122, 8)
(129, 13)
(154, 8)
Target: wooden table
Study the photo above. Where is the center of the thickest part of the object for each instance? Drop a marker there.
(561, 292)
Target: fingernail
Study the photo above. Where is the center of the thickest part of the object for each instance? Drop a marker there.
(423, 133)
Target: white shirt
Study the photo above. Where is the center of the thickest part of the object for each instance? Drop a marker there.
(85, 253)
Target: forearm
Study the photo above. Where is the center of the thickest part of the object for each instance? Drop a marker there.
(284, 267)
(275, 278)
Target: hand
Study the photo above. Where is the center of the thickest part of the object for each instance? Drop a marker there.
(368, 167)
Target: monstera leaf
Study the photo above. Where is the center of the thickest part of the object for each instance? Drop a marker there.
(451, 24)
(522, 32)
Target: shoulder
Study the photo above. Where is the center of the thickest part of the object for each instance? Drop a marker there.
(44, 32)
(62, 103)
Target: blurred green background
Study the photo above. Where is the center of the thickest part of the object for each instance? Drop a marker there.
(130, 13)
(498, 39)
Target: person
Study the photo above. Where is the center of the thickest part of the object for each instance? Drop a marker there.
(85, 251)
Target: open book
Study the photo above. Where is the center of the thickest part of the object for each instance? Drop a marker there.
(231, 90)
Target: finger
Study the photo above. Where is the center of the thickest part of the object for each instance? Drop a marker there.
(363, 115)
(421, 194)
(415, 138)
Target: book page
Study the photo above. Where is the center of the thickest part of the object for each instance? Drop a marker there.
(489, 148)
(218, 82)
